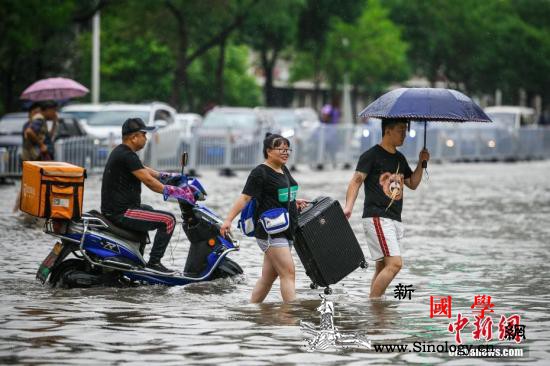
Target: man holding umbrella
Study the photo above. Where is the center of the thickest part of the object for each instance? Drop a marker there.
(384, 171)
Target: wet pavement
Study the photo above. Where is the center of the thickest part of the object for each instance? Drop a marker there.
(470, 229)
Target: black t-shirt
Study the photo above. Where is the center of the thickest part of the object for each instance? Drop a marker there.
(386, 173)
(120, 189)
(270, 189)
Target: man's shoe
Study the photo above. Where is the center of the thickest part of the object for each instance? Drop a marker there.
(158, 267)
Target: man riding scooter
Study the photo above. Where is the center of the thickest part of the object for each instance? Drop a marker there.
(121, 191)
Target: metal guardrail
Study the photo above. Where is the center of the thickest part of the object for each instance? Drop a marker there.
(325, 147)
(83, 151)
(10, 162)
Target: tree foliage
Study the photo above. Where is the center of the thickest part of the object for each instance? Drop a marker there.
(482, 45)
(190, 53)
(134, 66)
(370, 50)
(139, 65)
(270, 29)
(30, 34)
(313, 27)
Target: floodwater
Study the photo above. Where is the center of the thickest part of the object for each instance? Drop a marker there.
(470, 229)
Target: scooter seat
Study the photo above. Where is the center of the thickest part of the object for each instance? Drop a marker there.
(135, 236)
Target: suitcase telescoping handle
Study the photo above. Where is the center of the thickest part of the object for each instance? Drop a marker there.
(309, 206)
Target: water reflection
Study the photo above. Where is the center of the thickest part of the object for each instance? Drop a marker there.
(276, 314)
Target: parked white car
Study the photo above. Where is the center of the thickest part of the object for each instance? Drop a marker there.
(105, 120)
(175, 138)
(243, 124)
(308, 117)
(523, 139)
(285, 121)
(511, 117)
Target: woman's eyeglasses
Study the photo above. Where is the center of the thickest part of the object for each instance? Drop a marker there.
(284, 151)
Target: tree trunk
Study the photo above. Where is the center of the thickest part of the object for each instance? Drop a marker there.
(9, 84)
(180, 74)
(316, 81)
(268, 66)
(183, 59)
(7, 90)
(219, 73)
(354, 97)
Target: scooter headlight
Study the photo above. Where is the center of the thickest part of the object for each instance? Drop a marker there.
(200, 192)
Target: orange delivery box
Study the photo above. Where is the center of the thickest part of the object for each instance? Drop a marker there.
(52, 189)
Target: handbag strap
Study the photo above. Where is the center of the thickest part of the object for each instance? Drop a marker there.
(288, 185)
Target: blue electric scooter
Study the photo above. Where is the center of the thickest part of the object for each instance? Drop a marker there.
(104, 254)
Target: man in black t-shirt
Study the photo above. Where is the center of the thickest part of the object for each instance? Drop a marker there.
(121, 191)
(384, 171)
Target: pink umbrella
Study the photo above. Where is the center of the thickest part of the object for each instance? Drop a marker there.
(54, 89)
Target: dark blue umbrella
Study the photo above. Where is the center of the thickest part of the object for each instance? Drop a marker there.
(425, 104)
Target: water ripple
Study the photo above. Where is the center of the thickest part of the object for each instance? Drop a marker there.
(471, 229)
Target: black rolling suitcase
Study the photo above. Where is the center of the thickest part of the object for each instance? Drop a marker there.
(326, 244)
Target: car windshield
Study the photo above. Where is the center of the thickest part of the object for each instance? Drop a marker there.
(115, 118)
(503, 119)
(233, 120)
(286, 119)
(12, 125)
(80, 115)
(307, 115)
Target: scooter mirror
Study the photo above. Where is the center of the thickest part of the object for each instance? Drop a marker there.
(184, 158)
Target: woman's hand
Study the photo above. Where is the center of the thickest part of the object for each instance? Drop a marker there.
(347, 212)
(301, 204)
(225, 228)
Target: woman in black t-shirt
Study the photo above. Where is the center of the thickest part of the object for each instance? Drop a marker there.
(270, 184)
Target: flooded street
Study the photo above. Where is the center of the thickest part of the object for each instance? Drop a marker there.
(470, 229)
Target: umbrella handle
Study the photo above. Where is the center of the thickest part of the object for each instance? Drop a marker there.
(425, 163)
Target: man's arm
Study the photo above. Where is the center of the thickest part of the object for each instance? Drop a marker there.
(352, 192)
(161, 176)
(155, 174)
(148, 179)
(55, 121)
(414, 180)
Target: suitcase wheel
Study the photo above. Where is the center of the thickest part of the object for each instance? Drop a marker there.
(313, 286)
(363, 264)
(328, 291)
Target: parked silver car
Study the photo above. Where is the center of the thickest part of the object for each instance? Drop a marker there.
(11, 137)
(240, 128)
(172, 140)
